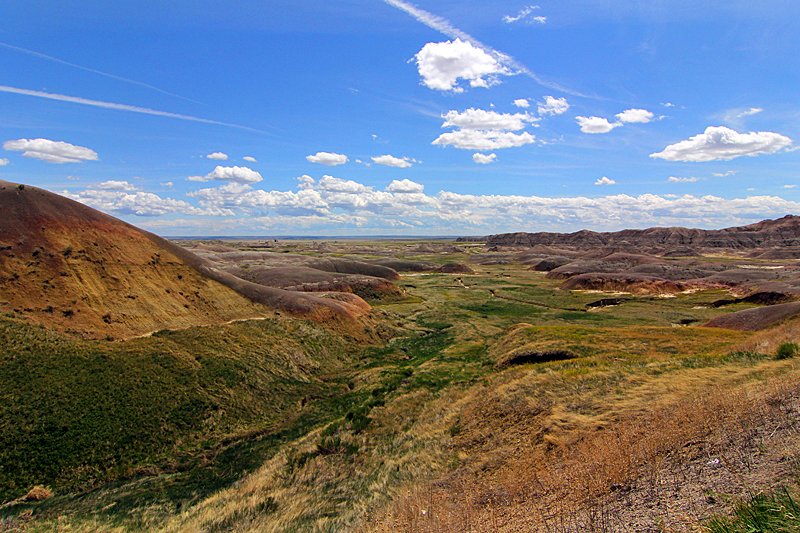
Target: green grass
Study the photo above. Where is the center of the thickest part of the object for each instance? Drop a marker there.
(773, 513)
(76, 415)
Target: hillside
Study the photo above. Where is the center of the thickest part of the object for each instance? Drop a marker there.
(70, 267)
(783, 233)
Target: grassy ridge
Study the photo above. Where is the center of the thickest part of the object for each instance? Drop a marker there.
(75, 415)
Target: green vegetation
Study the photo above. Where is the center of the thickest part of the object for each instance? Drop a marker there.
(764, 513)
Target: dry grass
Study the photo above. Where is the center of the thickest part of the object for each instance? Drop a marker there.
(664, 467)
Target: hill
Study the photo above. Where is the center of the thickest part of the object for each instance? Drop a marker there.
(783, 233)
(70, 267)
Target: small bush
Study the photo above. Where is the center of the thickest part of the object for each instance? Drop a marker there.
(787, 350)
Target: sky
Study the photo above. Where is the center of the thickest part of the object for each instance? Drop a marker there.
(386, 117)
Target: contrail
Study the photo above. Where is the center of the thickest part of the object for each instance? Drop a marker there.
(119, 107)
(444, 26)
(120, 78)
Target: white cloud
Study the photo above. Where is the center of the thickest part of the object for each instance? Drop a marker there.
(51, 151)
(604, 181)
(442, 64)
(540, 19)
(522, 15)
(4, 161)
(405, 186)
(219, 156)
(635, 115)
(116, 186)
(673, 179)
(553, 106)
(728, 173)
(484, 140)
(334, 205)
(790, 186)
(522, 102)
(331, 184)
(167, 184)
(234, 174)
(328, 158)
(119, 107)
(140, 203)
(306, 181)
(667, 104)
(751, 111)
(478, 119)
(596, 124)
(484, 159)
(721, 143)
(391, 161)
(251, 159)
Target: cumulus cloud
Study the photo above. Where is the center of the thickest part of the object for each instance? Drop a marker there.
(596, 124)
(331, 184)
(334, 204)
(634, 116)
(484, 141)
(167, 184)
(604, 181)
(522, 102)
(724, 174)
(721, 143)
(484, 159)
(143, 204)
(4, 161)
(673, 179)
(251, 159)
(328, 158)
(306, 181)
(391, 161)
(405, 186)
(117, 186)
(233, 174)
(553, 106)
(218, 156)
(51, 151)
(478, 119)
(441, 65)
(667, 104)
(790, 186)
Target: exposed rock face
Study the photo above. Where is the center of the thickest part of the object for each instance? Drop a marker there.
(781, 233)
(78, 270)
(635, 283)
(306, 279)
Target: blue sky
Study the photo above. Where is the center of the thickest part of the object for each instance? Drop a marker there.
(385, 117)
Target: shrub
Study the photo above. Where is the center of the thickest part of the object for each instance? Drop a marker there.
(787, 350)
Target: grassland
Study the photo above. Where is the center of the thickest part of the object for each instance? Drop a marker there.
(277, 425)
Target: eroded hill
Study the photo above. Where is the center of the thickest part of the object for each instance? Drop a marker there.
(70, 267)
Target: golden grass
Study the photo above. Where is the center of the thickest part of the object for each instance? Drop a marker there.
(528, 480)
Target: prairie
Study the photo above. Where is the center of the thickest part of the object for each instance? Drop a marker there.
(483, 401)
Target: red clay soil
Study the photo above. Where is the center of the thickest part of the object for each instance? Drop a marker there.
(70, 267)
